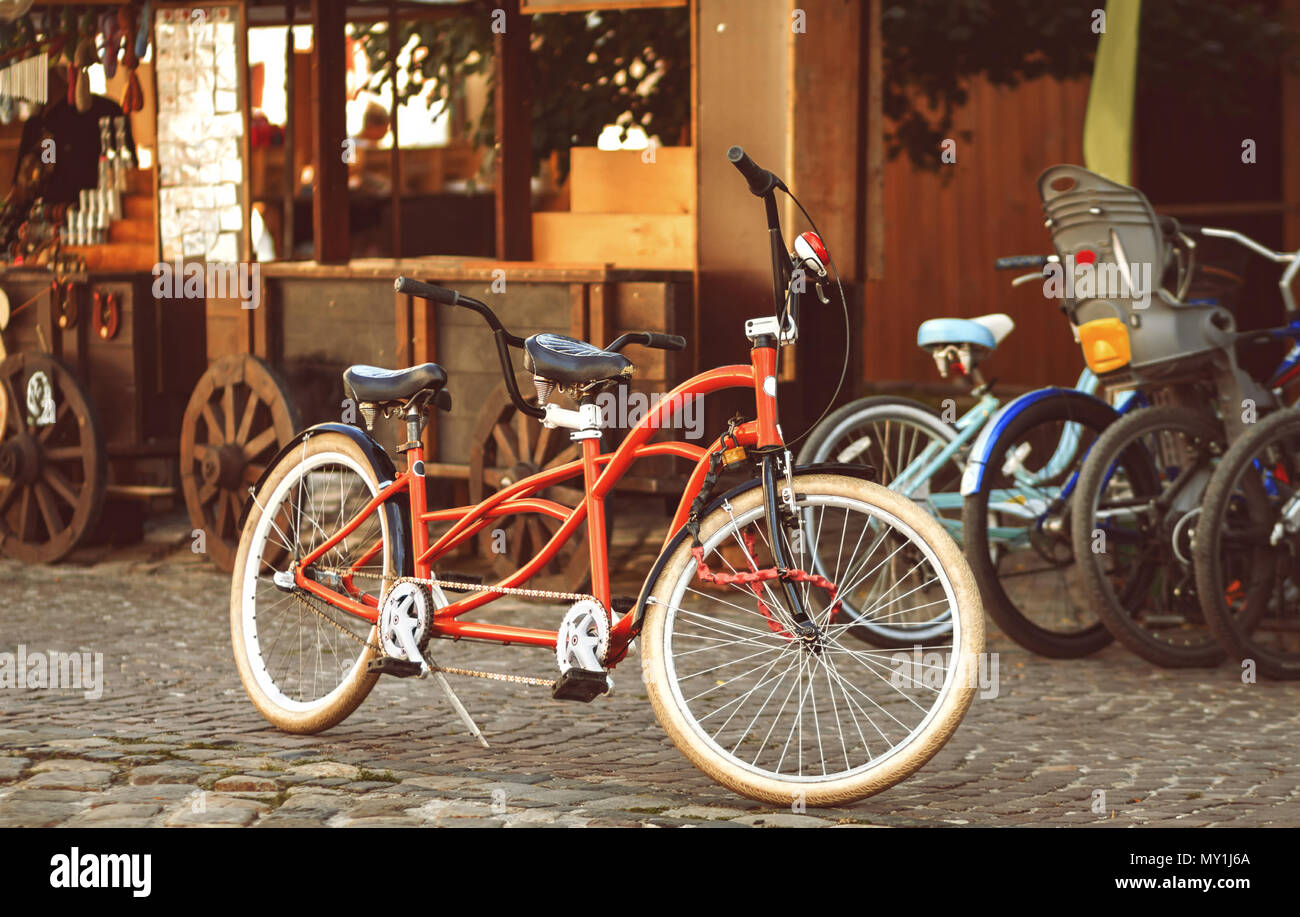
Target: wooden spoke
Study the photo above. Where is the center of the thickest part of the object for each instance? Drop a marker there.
(239, 413)
(214, 428)
(254, 446)
(228, 412)
(54, 474)
(59, 484)
(508, 446)
(506, 452)
(49, 512)
(45, 432)
(246, 422)
(14, 414)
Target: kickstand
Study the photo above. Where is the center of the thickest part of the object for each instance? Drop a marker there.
(455, 701)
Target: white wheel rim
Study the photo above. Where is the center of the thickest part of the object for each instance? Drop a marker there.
(249, 598)
(874, 662)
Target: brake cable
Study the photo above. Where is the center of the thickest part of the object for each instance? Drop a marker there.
(844, 307)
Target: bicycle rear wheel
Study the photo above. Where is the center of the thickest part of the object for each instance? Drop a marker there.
(780, 719)
(1247, 553)
(301, 660)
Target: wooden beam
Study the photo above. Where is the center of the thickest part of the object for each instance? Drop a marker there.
(874, 189)
(1290, 135)
(395, 155)
(514, 137)
(329, 131)
(290, 148)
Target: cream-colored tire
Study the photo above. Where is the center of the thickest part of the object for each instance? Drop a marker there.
(303, 673)
(729, 637)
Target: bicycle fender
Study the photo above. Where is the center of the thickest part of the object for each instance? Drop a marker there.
(972, 478)
(865, 472)
(398, 511)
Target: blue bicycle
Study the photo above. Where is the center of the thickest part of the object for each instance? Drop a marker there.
(1019, 462)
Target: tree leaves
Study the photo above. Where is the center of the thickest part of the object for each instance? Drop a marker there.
(586, 71)
(933, 48)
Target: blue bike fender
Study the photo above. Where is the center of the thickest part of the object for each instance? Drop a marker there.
(397, 510)
(972, 478)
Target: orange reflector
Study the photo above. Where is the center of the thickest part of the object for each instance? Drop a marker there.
(1105, 344)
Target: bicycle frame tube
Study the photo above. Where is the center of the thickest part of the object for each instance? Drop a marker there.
(600, 474)
(933, 457)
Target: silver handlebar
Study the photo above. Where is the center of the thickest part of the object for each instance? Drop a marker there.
(1291, 259)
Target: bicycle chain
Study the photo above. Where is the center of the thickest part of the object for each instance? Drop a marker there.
(455, 585)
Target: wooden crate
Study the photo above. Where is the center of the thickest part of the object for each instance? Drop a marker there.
(629, 208)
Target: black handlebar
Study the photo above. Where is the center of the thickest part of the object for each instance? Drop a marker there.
(649, 339)
(761, 181)
(505, 340)
(426, 291)
(1019, 262)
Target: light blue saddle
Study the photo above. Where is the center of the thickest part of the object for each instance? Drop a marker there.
(985, 331)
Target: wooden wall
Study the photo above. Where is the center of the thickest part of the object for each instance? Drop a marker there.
(943, 230)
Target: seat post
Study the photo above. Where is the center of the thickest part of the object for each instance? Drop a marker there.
(414, 417)
(414, 449)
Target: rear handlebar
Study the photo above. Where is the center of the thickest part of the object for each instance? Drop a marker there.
(426, 291)
(1020, 262)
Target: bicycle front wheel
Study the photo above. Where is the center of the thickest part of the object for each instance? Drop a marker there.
(821, 721)
(1247, 554)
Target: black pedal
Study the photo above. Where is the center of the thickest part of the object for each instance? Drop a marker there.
(391, 665)
(580, 684)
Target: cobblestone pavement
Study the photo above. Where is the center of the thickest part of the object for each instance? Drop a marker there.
(174, 741)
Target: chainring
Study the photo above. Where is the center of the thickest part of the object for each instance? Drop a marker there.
(409, 604)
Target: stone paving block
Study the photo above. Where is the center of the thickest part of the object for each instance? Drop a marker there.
(244, 783)
(12, 767)
(80, 780)
(325, 769)
(117, 814)
(782, 820)
(165, 773)
(217, 811)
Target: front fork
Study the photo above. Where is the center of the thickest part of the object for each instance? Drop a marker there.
(784, 526)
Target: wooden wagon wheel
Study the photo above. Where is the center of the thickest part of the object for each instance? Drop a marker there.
(237, 419)
(507, 446)
(52, 459)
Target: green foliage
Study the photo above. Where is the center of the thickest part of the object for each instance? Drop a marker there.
(586, 71)
(933, 48)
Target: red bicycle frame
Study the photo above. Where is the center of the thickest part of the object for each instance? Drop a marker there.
(600, 473)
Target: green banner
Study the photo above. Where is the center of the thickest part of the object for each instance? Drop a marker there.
(1108, 125)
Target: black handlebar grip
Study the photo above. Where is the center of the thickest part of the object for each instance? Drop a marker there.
(761, 181)
(666, 341)
(1017, 262)
(426, 291)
